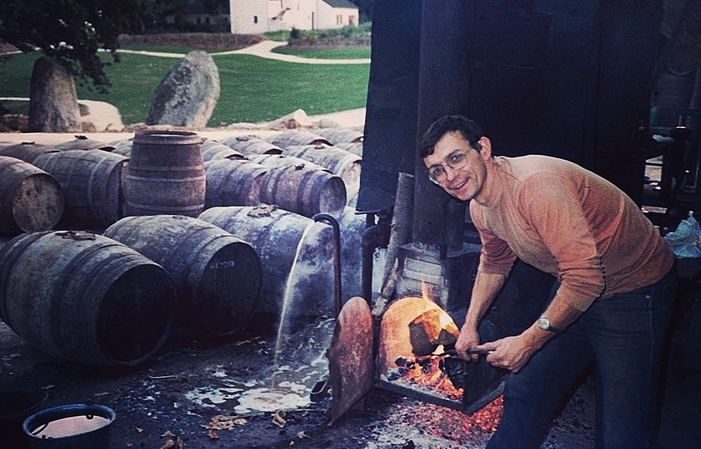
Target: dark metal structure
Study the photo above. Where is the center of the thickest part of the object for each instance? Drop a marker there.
(568, 78)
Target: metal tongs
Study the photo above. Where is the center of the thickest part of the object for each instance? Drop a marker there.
(453, 352)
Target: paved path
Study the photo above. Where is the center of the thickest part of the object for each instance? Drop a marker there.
(262, 49)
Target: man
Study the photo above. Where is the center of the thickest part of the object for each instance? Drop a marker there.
(613, 296)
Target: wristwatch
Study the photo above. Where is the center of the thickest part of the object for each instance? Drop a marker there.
(544, 323)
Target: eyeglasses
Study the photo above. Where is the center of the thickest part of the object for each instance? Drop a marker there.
(455, 160)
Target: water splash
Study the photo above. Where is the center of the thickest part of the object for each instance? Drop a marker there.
(287, 299)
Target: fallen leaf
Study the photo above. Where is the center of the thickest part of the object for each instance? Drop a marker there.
(139, 429)
(168, 444)
(224, 422)
(301, 435)
(213, 435)
(168, 434)
(279, 419)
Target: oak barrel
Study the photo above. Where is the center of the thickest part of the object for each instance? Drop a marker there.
(84, 297)
(301, 188)
(217, 276)
(291, 248)
(92, 182)
(165, 174)
(27, 151)
(250, 145)
(212, 149)
(31, 200)
(233, 182)
(341, 162)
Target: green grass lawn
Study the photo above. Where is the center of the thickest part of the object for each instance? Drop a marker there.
(340, 53)
(253, 89)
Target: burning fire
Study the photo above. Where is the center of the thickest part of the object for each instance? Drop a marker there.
(410, 327)
(413, 336)
(425, 373)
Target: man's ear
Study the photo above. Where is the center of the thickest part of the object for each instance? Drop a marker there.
(486, 150)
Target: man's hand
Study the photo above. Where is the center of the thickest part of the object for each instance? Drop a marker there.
(468, 339)
(511, 353)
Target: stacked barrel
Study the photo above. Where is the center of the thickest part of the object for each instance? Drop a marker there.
(105, 247)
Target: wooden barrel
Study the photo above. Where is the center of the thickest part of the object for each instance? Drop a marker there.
(165, 174)
(355, 148)
(31, 200)
(83, 143)
(285, 160)
(217, 276)
(250, 145)
(27, 151)
(296, 137)
(303, 190)
(122, 146)
(342, 163)
(92, 182)
(212, 149)
(84, 297)
(291, 247)
(233, 182)
(340, 135)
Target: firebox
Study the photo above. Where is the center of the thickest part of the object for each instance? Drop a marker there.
(414, 340)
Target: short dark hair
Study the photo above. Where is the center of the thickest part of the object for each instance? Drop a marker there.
(469, 130)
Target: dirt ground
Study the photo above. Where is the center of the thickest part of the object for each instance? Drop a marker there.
(239, 392)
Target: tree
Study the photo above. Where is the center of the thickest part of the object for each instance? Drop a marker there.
(71, 31)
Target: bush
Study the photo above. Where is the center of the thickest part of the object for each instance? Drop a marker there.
(348, 36)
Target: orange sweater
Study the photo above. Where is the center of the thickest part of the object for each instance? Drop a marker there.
(569, 222)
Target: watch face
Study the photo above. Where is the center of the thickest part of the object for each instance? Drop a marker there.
(544, 323)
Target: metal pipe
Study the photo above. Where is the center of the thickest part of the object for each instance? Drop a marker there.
(375, 236)
(336, 257)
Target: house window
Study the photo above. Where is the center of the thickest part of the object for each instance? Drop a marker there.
(351, 21)
(339, 19)
(255, 19)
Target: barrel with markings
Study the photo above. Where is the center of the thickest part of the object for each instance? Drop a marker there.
(295, 253)
(165, 174)
(217, 276)
(92, 182)
(84, 297)
(31, 200)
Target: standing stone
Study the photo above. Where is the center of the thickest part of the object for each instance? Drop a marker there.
(188, 94)
(53, 103)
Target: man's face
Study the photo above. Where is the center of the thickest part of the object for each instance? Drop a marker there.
(466, 181)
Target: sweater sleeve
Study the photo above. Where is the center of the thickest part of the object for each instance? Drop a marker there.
(552, 207)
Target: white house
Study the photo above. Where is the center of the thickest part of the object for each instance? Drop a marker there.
(260, 16)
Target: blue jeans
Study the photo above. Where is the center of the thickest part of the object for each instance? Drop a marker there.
(624, 336)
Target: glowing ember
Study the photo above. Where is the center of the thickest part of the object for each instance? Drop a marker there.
(424, 374)
(455, 425)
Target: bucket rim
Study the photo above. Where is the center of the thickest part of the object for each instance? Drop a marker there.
(66, 411)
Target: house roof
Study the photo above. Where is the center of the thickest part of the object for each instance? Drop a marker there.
(341, 4)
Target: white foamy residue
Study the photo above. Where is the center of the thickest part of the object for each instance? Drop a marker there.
(268, 400)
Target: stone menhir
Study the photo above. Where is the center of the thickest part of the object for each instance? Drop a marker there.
(53, 104)
(188, 94)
